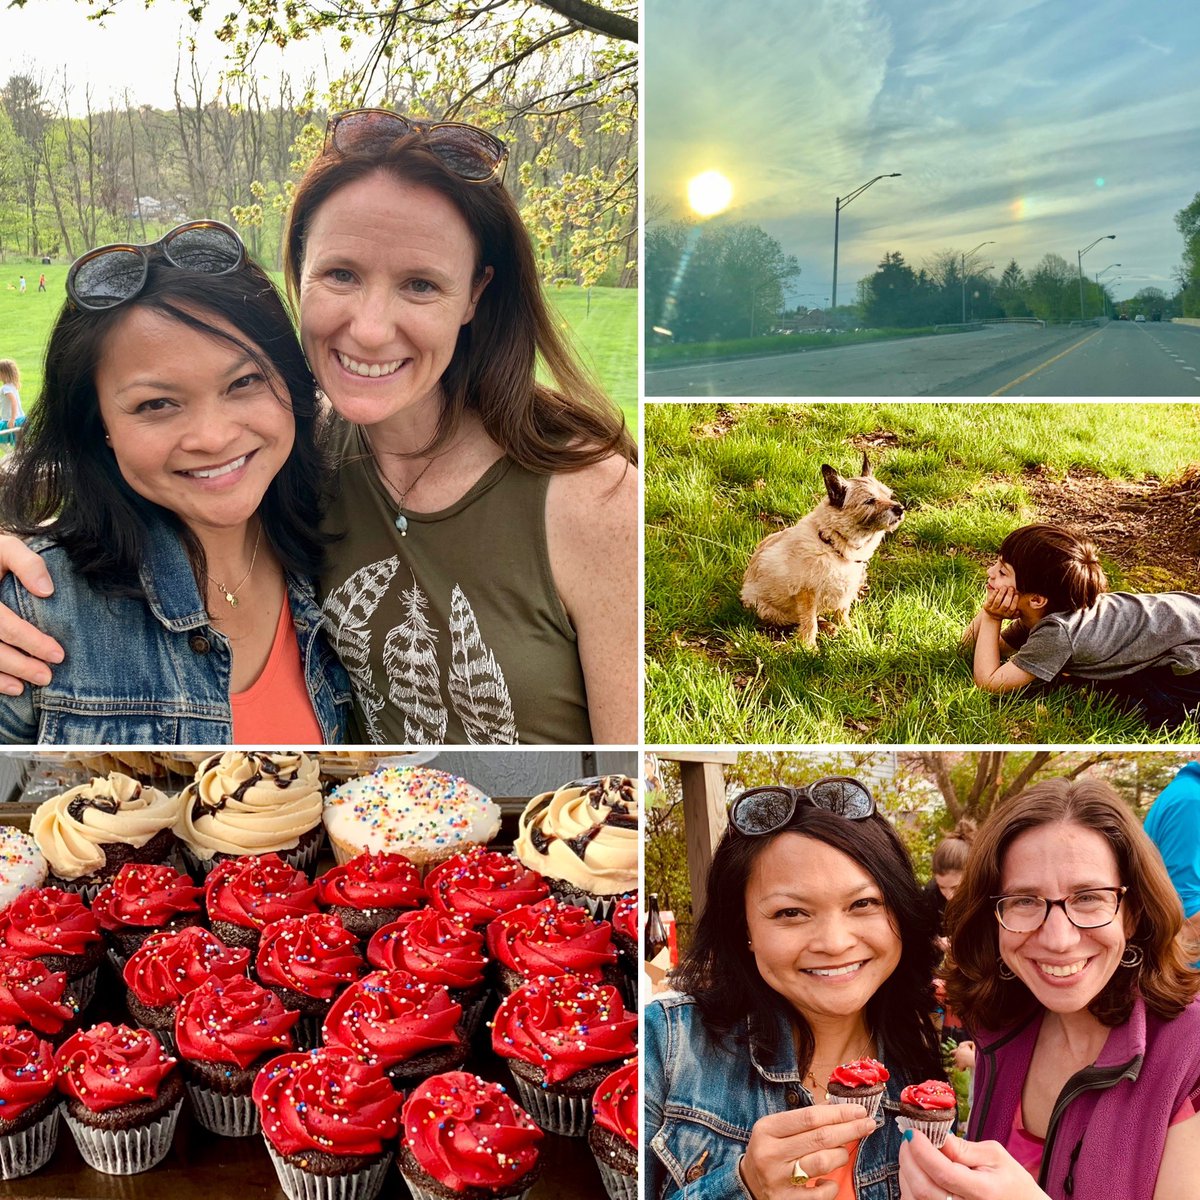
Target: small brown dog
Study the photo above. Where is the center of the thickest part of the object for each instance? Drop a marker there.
(820, 564)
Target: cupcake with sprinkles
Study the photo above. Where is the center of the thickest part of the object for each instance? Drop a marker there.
(858, 1082)
(123, 1097)
(22, 864)
(549, 939)
(31, 994)
(561, 1038)
(28, 1102)
(370, 891)
(145, 898)
(465, 1139)
(426, 815)
(243, 896)
(330, 1123)
(625, 920)
(613, 1136)
(56, 928)
(226, 1031)
(929, 1108)
(437, 949)
(480, 885)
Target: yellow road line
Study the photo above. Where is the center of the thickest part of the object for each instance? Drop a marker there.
(1043, 366)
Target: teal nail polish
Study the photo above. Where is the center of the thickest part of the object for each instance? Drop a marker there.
(908, 1135)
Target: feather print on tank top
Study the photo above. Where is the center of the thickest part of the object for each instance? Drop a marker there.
(410, 659)
(477, 686)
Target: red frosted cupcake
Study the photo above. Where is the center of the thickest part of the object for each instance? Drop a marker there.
(410, 1028)
(370, 890)
(548, 939)
(28, 1102)
(437, 949)
(244, 895)
(613, 1136)
(329, 1122)
(145, 898)
(33, 995)
(56, 928)
(306, 961)
(858, 1082)
(167, 967)
(481, 884)
(562, 1036)
(465, 1139)
(625, 921)
(929, 1108)
(123, 1097)
(226, 1030)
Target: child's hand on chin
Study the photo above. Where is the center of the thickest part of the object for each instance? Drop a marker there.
(1001, 603)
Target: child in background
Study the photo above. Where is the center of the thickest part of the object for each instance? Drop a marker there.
(1144, 649)
(12, 417)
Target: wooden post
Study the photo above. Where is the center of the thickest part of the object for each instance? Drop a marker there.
(703, 780)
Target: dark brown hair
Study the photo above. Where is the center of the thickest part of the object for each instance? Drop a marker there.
(1056, 562)
(545, 428)
(1150, 910)
(952, 851)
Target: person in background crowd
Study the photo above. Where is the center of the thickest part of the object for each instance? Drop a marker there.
(1173, 825)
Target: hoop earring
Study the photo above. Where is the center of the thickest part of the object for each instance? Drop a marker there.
(1132, 956)
(1005, 971)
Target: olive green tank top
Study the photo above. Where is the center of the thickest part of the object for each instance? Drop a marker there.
(454, 633)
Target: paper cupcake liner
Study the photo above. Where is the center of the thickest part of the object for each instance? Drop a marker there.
(300, 1185)
(420, 1193)
(566, 1115)
(228, 1116)
(117, 961)
(87, 892)
(30, 1149)
(618, 1186)
(301, 859)
(870, 1103)
(84, 988)
(306, 1032)
(935, 1131)
(167, 1037)
(124, 1151)
(472, 1016)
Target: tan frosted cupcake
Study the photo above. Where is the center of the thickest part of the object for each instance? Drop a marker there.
(584, 839)
(89, 833)
(246, 802)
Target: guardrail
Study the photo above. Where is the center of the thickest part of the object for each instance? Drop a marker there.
(1013, 321)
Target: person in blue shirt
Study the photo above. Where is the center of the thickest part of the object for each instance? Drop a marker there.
(1173, 825)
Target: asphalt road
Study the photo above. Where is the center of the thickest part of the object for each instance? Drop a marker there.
(1121, 358)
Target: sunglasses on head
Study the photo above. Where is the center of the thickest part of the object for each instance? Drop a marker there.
(764, 810)
(472, 154)
(111, 275)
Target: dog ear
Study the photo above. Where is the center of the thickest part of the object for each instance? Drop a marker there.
(866, 467)
(835, 485)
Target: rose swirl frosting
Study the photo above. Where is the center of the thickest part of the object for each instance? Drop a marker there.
(48, 921)
(168, 965)
(479, 885)
(468, 1133)
(110, 1065)
(615, 1103)
(145, 894)
(564, 1025)
(550, 938)
(314, 955)
(390, 1017)
(369, 880)
(434, 946)
(326, 1100)
(862, 1072)
(256, 890)
(233, 1021)
(27, 1071)
(932, 1094)
(31, 994)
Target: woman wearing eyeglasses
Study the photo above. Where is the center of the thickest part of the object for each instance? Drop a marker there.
(169, 475)
(482, 584)
(1066, 963)
(812, 951)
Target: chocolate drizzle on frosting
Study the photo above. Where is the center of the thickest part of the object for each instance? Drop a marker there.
(108, 804)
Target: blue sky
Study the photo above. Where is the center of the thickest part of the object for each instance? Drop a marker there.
(1037, 124)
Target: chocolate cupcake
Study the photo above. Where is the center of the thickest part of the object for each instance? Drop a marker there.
(625, 920)
(480, 885)
(551, 938)
(243, 896)
(144, 898)
(123, 1097)
(329, 1122)
(33, 995)
(859, 1082)
(929, 1108)
(613, 1136)
(465, 1139)
(28, 1102)
(57, 929)
(226, 1031)
(370, 890)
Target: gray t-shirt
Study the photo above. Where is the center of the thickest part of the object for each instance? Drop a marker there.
(1117, 635)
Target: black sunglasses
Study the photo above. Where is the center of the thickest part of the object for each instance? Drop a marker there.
(764, 810)
(111, 275)
(472, 154)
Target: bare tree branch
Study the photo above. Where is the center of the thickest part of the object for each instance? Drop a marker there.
(598, 20)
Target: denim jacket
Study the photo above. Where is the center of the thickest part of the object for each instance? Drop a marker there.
(702, 1100)
(152, 671)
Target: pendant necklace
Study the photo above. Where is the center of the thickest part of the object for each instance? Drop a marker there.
(231, 597)
(401, 521)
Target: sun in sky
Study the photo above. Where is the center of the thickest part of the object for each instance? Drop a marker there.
(709, 193)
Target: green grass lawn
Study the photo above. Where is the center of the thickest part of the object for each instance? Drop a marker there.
(604, 329)
(719, 478)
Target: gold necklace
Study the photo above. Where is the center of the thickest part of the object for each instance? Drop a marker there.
(231, 597)
(810, 1076)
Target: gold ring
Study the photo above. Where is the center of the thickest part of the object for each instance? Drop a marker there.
(799, 1175)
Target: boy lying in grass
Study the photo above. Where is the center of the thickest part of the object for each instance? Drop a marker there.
(1066, 626)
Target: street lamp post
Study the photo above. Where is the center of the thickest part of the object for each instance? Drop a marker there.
(1108, 237)
(840, 202)
(1103, 300)
(968, 254)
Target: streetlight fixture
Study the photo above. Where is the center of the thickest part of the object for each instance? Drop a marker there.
(1103, 299)
(840, 202)
(969, 254)
(1108, 237)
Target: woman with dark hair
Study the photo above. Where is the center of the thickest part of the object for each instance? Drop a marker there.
(812, 951)
(170, 477)
(1067, 965)
(947, 866)
(482, 582)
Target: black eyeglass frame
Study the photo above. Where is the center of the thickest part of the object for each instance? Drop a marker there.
(800, 795)
(162, 248)
(1060, 903)
(407, 125)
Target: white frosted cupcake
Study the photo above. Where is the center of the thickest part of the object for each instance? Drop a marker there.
(22, 864)
(426, 815)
